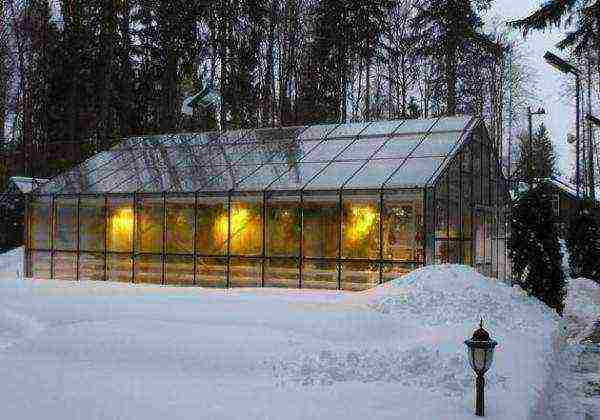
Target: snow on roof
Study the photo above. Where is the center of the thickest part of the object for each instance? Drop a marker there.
(565, 186)
(370, 155)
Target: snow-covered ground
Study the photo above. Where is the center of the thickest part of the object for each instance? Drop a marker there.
(98, 350)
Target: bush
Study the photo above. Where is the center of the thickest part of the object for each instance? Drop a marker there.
(534, 247)
(583, 242)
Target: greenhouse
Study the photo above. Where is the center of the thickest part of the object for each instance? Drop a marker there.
(336, 206)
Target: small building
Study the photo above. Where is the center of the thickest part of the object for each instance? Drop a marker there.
(12, 210)
(336, 206)
(564, 203)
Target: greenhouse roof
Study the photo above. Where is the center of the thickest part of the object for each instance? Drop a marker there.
(370, 155)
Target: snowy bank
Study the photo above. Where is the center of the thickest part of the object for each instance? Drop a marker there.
(107, 350)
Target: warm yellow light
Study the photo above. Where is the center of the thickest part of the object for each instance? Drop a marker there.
(239, 219)
(362, 220)
(122, 221)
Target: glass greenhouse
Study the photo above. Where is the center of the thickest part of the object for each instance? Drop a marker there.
(336, 206)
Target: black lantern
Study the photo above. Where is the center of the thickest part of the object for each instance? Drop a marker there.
(481, 355)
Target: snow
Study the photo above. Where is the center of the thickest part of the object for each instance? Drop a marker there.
(97, 350)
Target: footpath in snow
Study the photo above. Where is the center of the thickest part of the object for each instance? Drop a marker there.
(99, 350)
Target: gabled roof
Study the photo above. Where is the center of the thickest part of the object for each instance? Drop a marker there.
(370, 155)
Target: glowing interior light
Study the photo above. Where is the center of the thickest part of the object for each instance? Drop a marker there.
(363, 219)
(122, 221)
(239, 219)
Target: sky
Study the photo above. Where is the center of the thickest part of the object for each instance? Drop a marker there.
(560, 117)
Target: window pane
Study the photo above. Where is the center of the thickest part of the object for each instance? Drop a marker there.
(362, 148)
(398, 147)
(350, 129)
(91, 220)
(65, 265)
(245, 272)
(297, 176)
(283, 226)
(150, 223)
(212, 226)
(373, 174)
(360, 226)
(40, 264)
(415, 172)
(437, 144)
(148, 269)
(246, 225)
(321, 226)
(454, 214)
(476, 155)
(403, 233)
(180, 225)
(119, 267)
(120, 224)
(211, 272)
(334, 175)
(327, 150)
(417, 126)
(281, 272)
(319, 274)
(466, 205)
(40, 223)
(179, 270)
(359, 275)
(441, 208)
(91, 266)
(65, 223)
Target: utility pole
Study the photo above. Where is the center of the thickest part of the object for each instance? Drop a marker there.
(592, 188)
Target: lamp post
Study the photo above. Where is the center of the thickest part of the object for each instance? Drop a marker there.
(481, 355)
(540, 111)
(564, 67)
(595, 121)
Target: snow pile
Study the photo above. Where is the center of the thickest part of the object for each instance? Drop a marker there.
(396, 351)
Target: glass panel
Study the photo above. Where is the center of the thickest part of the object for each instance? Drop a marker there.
(327, 150)
(321, 226)
(360, 226)
(246, 225)
(297, 176)
(212, 226)
(441, 208)
(454, 252)
(282, 272)
(436, 144)
(283, 226)
(334, 175)
(479, 240)
(394, 271)
(260, 179)
(91, 266)
(319, 274)
(466, 205)
(91, 221)
(466, 158)
(119, 267)
(403, 233)
(39, 211)
(454, 213)
(120, 224)
(245, 272)
(150, 223)
(211, 272)
(65, 265)
(40, 264)
(359, 275)
(415, 172)
(373, 174)
(180, 225)
(295, 151)
(398, 146)
(429, 225)
(317, 131)
(451, 124)
(362, 148)
(65, 223)
(179, 270)
(416, 126)
(382, 127)
(148, 269)
(442, 252)
(476, 155)
(349, 129)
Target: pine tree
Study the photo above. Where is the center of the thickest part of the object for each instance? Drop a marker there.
(534, 248)
(583, 242)
(543, 158)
